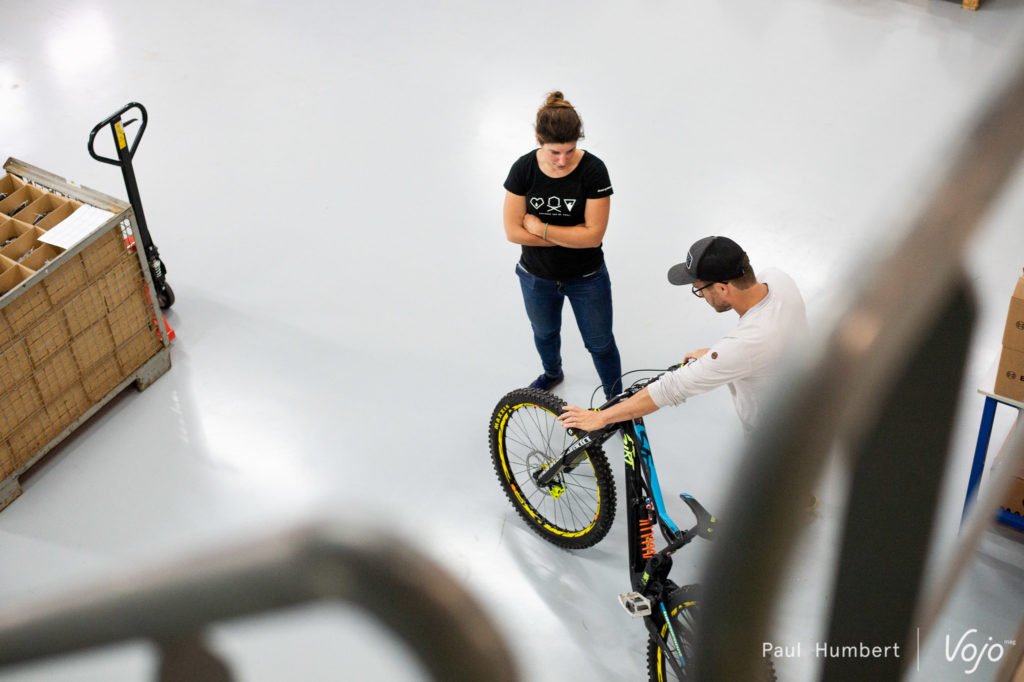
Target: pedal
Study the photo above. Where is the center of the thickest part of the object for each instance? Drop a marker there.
(636, 605)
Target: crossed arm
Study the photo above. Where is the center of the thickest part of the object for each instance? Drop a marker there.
(529, 230)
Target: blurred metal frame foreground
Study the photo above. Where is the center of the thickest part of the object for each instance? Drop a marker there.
(170, 604)
(883, 383)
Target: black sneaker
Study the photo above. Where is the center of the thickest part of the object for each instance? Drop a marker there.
(546, 383)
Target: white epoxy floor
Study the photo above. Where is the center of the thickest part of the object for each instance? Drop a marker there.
(324, 181)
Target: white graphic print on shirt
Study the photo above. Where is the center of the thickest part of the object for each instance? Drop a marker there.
(554, 205)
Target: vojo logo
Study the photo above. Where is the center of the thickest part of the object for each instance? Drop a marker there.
(971, 649)
(1020, 325)
(1011, 375)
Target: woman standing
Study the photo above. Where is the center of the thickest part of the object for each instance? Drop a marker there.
(556, 206)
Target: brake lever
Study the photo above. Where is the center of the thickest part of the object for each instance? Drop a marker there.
(684, 363)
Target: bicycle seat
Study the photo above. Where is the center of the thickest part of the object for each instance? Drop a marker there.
(705, 521)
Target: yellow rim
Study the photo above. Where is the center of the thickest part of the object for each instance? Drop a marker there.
(523, 504)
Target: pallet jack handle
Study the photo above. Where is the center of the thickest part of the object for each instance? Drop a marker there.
(125, 153)
(114, 121)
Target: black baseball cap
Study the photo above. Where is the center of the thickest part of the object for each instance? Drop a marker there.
(712, 259)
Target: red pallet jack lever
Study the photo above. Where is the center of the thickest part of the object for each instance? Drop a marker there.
(129, 242)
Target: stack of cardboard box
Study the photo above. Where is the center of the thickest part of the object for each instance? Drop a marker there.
(1010, 379)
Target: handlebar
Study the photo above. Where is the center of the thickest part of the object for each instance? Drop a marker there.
(114, 121)
(641, 384)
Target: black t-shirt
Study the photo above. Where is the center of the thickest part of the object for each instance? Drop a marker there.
(559, 201)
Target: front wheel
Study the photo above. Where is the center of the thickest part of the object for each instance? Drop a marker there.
(682, 607)
(577, 508)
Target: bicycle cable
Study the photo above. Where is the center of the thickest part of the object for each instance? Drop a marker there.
(621, 377)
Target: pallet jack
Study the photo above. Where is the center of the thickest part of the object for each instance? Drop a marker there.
(125, 152)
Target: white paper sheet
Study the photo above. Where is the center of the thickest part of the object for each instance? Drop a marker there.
(76, 227)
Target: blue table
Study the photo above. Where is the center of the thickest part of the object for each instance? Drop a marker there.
(981, 452)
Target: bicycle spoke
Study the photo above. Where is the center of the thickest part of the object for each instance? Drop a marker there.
(524, 434)
(585, 509)
(581, 489)
(518, 442)
(551, 434)
(573, 510)
(570, 509)
(537, 415)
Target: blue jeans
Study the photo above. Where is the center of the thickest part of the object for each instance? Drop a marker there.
(591, 300)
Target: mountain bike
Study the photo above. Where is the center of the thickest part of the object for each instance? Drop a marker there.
(560, 482)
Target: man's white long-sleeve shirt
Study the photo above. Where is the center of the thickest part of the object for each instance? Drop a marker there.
(748, 358)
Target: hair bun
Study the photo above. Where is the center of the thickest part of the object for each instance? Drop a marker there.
(557, 121)
(556, 99)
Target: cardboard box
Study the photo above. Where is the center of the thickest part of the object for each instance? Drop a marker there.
(20, 403)
(1013, 335)
(85, 309)
(11, 278)
(128, 318)
(14, 363)
(65, 409)
(41, 256)
(66, 282)
(30, 436)
(55, 375)
(101, 380)
(23, 245)
(58, 215)
(45, 337)
(6, 460)
(38, 210)
(104, 254)
(23, 313)
(6, 336)
(19, 200)
(93, 345)
(10, 230)
(9, 184)
(132, 354)
(121, 283)
(1010, 375)
(1014, 500)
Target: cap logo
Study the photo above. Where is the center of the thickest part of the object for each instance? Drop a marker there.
(689, 260)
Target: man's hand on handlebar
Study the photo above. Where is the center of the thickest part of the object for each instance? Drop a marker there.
(639, 404)
(584, 420)
(694, 355)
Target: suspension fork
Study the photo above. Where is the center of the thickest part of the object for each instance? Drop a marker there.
(573, 455)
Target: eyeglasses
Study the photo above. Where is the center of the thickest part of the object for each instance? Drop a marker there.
(697, 292)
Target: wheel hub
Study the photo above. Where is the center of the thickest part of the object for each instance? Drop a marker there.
(537, 463)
